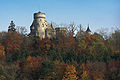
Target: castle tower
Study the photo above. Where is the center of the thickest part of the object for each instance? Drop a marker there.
(42, 29)
(39, 25)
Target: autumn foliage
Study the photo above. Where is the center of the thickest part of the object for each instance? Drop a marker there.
(13, 42)
(70, 73)
(2, 50)
(66, 57)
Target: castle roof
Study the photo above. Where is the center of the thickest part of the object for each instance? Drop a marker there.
(39, 12)
(88, 29)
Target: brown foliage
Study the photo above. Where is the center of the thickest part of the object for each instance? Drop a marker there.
(45, 45)
(93, 70)
(13, 42)
(61, 66)
(39, 45)
(2, 50)
(67, 43)
(34, 61)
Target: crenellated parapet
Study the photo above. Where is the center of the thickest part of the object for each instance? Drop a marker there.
(39, 15)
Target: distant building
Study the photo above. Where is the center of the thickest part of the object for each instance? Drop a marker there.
(41, 28)
(60, 31)
(88, 31)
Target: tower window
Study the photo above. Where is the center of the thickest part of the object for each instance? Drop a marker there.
(42, 33)
(42, 25)
(49, 33)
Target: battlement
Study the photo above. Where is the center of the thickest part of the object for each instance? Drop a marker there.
(60, 29)
(39, 15)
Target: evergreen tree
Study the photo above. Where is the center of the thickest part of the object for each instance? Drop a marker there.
(11, 28)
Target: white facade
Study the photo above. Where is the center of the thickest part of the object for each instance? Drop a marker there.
(41, 28)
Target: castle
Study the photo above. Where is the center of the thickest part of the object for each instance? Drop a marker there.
(41, 28)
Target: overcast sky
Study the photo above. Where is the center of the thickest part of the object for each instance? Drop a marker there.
(98, 13)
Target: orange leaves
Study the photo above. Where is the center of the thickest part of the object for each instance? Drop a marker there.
(98, 76)
(2, 51)
(29, 58)
(13, 42)
(116, 51)
(33, 64)
(34, 61)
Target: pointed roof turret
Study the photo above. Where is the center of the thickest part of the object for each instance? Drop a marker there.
(88, 29)
(51, 25)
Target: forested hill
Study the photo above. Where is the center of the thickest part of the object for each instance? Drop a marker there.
(67, 57)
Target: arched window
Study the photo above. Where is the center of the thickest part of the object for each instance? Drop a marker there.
(42, 25)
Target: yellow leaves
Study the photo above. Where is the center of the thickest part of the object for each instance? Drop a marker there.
(84, 76)
(29, 58)
(98, 79)
(93, 37)
(70, 73)
(54, 73)
(56, 62)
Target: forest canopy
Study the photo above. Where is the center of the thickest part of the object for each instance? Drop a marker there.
(71, 56)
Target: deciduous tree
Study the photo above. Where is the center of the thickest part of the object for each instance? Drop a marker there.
(70, 73)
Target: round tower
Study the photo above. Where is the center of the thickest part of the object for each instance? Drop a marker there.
(39, 16)
(40, 26)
